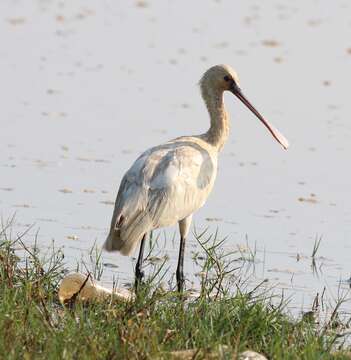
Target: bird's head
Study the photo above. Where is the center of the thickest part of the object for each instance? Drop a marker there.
(221, 77)
(224, 78)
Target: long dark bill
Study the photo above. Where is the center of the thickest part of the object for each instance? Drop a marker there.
(276, 134)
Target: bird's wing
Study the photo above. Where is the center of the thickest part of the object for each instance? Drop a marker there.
(179, 177)
(164, 185)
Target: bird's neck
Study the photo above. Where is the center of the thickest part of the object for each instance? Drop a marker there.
(218, 132)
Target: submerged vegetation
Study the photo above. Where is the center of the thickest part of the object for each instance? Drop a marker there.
(218, 322)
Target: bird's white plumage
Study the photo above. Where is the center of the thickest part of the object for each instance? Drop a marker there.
(165, 185)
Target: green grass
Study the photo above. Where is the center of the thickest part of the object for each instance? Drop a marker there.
(33, 325)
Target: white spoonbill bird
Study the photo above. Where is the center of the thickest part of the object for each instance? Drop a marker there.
(169, 182)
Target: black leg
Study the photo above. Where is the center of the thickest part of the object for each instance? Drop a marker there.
(139, 274)
(180, 270)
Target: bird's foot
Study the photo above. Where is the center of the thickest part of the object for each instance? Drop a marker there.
(180, 288)
(180, 283)
(139, 275)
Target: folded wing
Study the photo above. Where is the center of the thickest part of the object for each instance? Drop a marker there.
(165, 184)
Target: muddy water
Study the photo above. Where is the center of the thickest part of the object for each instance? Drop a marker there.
(86, 86)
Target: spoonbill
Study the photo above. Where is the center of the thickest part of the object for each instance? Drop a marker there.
(169, 182)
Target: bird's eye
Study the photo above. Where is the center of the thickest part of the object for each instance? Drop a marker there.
(226, 78)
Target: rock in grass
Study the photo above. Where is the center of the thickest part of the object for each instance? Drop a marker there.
(78, 287)
(222, 351)
(251, 355)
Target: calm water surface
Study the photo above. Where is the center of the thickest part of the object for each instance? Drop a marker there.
(86, 86)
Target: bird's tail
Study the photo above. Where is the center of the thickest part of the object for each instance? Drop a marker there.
(125, 234)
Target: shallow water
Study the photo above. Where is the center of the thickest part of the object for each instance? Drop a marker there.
(87, 86)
